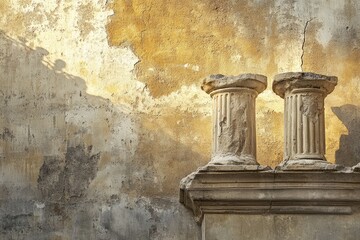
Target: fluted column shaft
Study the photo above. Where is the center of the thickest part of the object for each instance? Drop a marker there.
(304, 143)
(304, 124)
(234, 129)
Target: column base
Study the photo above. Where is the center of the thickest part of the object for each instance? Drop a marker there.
(231, 159)
(308, 165)
(233, 168)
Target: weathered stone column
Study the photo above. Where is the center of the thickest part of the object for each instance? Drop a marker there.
(234, 200)
(304, 143)
(234, 129)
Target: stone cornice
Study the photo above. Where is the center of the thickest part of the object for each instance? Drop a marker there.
(269, 192)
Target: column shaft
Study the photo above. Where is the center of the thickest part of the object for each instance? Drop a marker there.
(304, 145)
(234, 130)
(304, 124)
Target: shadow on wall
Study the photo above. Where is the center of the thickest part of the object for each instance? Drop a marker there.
(49, 149)
(74, 166)
(39, 111)
(348, 153)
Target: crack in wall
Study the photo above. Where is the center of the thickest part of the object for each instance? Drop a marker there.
(303, 43)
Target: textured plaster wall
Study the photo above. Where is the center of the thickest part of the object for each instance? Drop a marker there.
(102, 114)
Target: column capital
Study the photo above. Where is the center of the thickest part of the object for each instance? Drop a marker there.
(286, 82)
(256, 82)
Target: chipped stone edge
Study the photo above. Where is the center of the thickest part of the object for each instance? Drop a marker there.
(308, 165)
(293, 80)
(256, 82)
(270, 192)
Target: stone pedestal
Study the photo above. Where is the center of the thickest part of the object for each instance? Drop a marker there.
(234, 129)
(304, 143)
(235, 198)
(271, 205)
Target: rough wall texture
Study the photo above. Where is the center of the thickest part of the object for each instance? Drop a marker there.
(102, 114)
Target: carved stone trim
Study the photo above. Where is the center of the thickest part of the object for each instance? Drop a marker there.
(271, 192)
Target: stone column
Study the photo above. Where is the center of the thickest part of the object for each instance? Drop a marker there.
(234, 129)
(304, 94)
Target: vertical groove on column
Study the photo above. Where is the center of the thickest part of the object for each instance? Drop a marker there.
(223, 110)
(228, 109)
(214, 123)
(247, 129)
(219, 115)
(322, 134)
(306, 134)
(223, 113)
(317, 135)
(250, 124)
(293, 125)
(312, 135)
(253, 123)
(299, 139)
(290, 127)
(288, 131)
(285, 129)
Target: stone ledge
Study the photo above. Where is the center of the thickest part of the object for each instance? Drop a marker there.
(272, 192)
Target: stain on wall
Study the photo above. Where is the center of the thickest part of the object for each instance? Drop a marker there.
(178, 43)
(68, 179)
(102, 112)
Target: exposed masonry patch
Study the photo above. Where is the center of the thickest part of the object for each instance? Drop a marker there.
(7, 134)
(65, 179)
